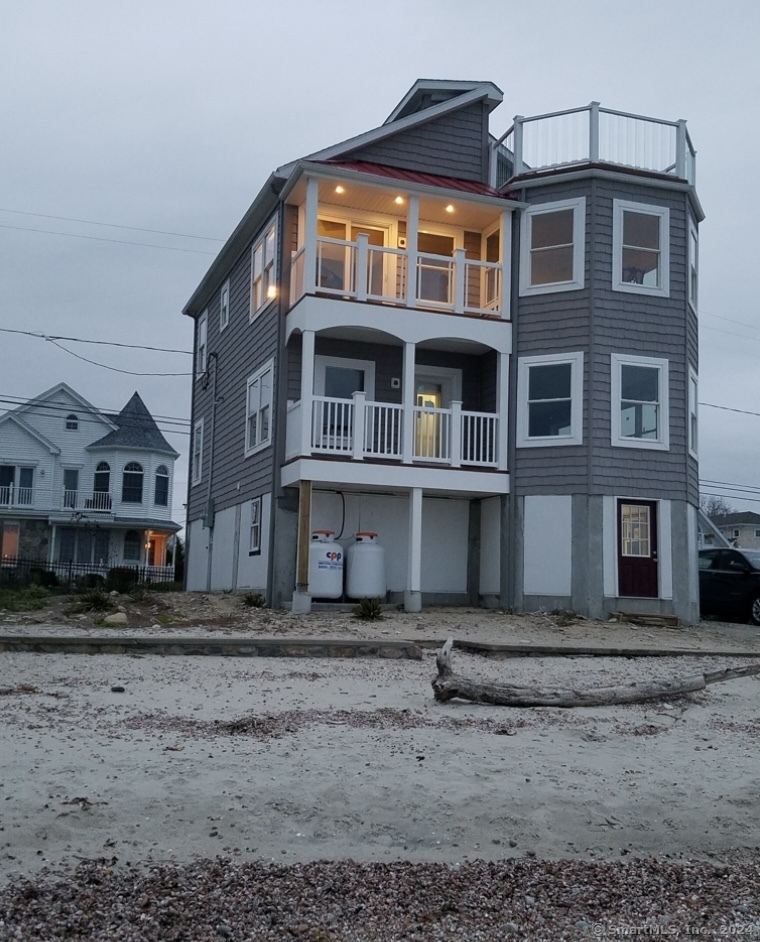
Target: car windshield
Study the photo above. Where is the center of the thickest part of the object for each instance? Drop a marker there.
(753, 558)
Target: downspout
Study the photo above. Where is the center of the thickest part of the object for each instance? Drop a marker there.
(209, 514)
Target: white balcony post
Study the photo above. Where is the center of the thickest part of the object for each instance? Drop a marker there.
(310, 236)
(407, 400)
(518, 144)
(459, 280)
(360, 410)
(413, 593)
(593, 132)
(505, 284)
(502, 404)
(362, 266)
(307, 389)
(681, 150)
(455, 435)
(412, 227)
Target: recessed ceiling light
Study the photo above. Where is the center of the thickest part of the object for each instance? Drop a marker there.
(450, 208)
(399, 200)
(339, 189)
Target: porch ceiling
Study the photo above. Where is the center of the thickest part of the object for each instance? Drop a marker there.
(367, 335)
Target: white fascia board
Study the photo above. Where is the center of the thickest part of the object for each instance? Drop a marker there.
(79, 402)
(494, 93)
(31, 432)
(392, 477)
(326, 171)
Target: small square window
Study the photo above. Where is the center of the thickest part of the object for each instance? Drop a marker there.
(639, 402)
(549, 391)
(552, 247)
(72, 423)
(641, 248)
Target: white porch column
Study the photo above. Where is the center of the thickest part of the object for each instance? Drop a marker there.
(360, 401)
(412, 225)
(407, 402)
(455, 434)
(413, 592)
(506, 266)
(310, 236)
(459, 280)
(362, 265)
(307, 389)
(502, 405)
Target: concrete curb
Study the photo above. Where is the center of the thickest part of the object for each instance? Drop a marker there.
(221, 647)
(324, 647)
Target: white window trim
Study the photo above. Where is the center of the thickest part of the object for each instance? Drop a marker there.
(268, 270)
(224, 309)
(254, 534)
(268, 367)
(618, 208)
(522, 439)
(693, 263)
(693, 415)
(197, 452)
(201, 345)
(347, 363)
(617, 361)
(579, 247)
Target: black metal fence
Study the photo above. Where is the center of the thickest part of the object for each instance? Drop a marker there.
(71, 575)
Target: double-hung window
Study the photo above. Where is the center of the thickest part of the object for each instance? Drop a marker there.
(639, 402)
(258, 412)
(263, 288)
(201, 344)
(224, 305)
(641, 248)
(549, 392)
(693, 265)
(254, 538)
(552, 247)
(693, 416)
(197, 453)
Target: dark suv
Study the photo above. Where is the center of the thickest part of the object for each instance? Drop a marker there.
(729, 583)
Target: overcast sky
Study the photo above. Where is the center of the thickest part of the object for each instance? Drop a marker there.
(170, 114)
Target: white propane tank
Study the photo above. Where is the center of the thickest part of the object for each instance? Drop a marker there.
(325, 566)
(366, 568)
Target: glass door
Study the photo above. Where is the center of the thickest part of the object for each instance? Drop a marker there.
(435, 268)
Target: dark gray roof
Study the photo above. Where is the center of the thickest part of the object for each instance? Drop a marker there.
(727, 520)
(136, 429)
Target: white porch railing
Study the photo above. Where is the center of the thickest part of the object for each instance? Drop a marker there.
(12, 496)
(358, 429)
(593, 134)
(94, 501)
(364, 272)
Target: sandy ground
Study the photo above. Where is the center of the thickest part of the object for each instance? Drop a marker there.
(335, 759)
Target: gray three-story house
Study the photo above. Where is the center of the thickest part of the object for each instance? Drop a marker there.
(482, 349)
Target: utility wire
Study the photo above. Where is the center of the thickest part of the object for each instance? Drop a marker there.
(76, 235)
(113, 369)
(112, 225)
(51, 408)
(109, 343)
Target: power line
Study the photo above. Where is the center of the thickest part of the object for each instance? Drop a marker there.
(76, 235)
(113, 369)
(54, 407)
(111, 225)
(712, 405)
(109, 343)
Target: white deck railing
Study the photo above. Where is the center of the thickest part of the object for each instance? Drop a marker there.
(12, 496)
(363, 272)
(593, 134)
(357, 429)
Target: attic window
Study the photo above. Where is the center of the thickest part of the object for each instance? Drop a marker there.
(72, 423)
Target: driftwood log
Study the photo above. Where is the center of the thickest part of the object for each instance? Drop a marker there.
(447, 686)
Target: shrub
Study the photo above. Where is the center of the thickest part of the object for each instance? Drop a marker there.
(26, 599)
(121, 579)
(369, 610)
(43, 577)
(96, 600)
(254, 600)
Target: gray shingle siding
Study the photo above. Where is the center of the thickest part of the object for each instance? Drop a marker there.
(453, 145)
(599, 322)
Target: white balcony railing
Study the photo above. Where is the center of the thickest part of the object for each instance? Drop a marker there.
(12, 496)
(91, 501)
(363, 272)
(593, 134)
(358, 429)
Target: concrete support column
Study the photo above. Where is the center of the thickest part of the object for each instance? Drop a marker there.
(301, 596)
(413, 592)
(502, 407)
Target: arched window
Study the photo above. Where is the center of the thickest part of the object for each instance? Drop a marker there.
(101, 486)
(72, 422)
(132, 483)
(132, 542)
(161, 498)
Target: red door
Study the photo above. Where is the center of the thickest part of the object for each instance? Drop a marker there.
(637, 549)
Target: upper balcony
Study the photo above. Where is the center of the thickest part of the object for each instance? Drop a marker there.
(594, 135)
(399, 239)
